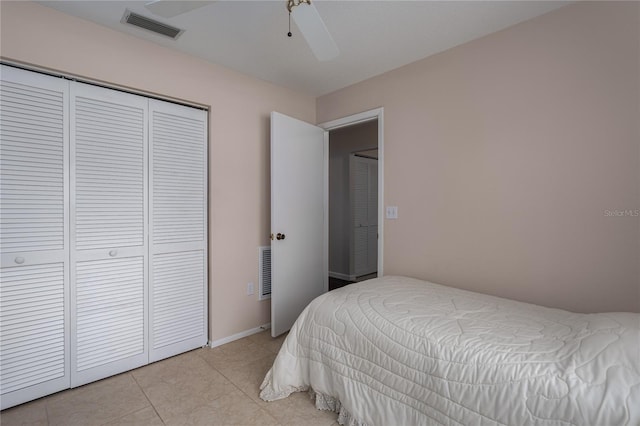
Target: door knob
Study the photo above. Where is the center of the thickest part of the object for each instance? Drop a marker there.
(280, 236)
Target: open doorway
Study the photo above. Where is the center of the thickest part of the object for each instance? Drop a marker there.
(353, 203)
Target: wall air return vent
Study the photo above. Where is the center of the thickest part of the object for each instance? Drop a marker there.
(265, 272)
(150, 25)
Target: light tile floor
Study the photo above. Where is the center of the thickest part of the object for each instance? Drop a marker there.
(217, 386)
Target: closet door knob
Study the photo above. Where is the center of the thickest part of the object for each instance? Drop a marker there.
(113, 253)
(19, 260)
(280, 236)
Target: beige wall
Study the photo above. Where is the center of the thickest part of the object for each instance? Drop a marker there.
(505, 153)
(238, 134)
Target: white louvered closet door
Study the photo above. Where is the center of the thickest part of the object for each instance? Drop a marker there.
(178, 221)
(372, 213)
(34, 277)
(108, 232)
(363, 183)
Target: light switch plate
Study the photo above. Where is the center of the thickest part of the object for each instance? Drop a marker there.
(392, 212)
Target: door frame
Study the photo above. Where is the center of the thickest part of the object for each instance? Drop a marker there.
(361, 117)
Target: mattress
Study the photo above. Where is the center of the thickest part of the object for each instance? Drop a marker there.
(400, 351)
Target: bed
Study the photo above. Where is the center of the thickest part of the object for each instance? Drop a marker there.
(400, 351)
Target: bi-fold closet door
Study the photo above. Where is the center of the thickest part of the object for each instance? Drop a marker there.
(34, 236)
(109, 261)
(103, 227)
(178, 228)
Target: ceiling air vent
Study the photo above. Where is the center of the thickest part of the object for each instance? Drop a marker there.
(151, 25)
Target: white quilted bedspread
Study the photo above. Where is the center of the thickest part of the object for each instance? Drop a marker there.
(399, 351)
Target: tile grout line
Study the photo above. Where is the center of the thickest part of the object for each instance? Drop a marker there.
(246, 394)
(223, 375)
(46, 411)
(147, 398)
(240, 389)
(127, 373)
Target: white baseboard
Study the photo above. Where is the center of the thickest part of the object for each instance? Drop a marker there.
(341, 276)
(237, 336)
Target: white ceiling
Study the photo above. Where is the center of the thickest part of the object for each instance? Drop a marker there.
(373, 36)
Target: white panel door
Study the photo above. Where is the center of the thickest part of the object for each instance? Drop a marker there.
(34, 278)
(108, 232)
(298, 214)
(178, 221)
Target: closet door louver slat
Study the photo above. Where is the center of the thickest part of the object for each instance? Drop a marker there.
(34, 278)
(178, 206)
(25, 360)
(177, 308)
(120, 135)
(24, 178)
(178, 170)
(109, 311)
(108, 232)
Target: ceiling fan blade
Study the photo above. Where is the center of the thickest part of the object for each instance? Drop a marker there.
(171, 8)
(312, 27)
